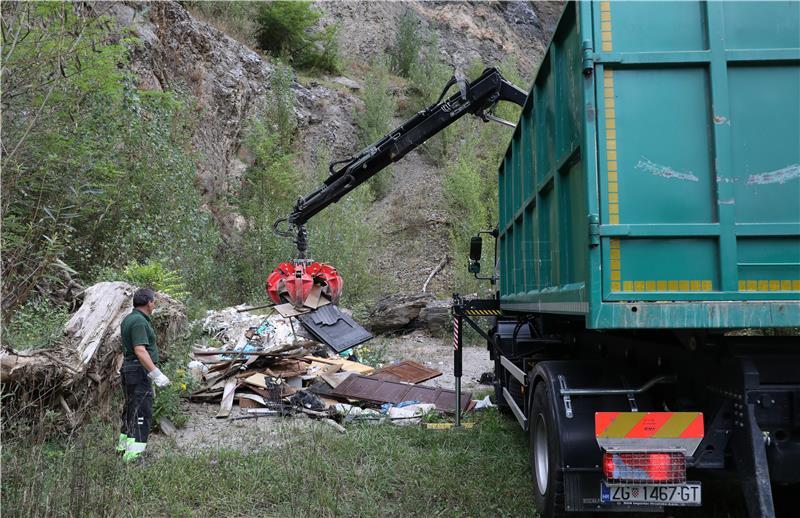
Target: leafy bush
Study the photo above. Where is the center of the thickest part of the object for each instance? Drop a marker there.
(75, 185)
(153, 274)
(285, 30)
(38, 323)
(407, 44)
(375, 120)
(471, 184)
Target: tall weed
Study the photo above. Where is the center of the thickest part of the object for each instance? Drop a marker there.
(404, 53)
(375, 120)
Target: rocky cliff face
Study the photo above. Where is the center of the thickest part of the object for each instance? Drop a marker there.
(226, 81)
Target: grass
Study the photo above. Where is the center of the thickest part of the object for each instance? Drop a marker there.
(371, 471)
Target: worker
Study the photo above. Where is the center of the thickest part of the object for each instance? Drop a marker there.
(138, 370)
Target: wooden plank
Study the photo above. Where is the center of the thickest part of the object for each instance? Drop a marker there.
(380, 391)
(257, 380)
(227, 398)
(345, 365)
(407, 371)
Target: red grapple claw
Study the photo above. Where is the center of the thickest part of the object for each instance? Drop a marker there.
(292, 282)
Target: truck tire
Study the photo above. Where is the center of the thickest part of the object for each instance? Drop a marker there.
(545, 456)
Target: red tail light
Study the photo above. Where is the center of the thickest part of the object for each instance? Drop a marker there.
(645, 467)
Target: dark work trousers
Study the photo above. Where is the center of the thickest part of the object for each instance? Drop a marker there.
(137, 414)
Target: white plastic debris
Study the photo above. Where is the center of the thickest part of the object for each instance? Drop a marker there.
(484, 403)
(409, 415)
(197, 370)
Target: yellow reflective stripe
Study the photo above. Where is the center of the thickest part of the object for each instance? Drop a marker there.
(675, 425)
(622, 424)
(769, 285)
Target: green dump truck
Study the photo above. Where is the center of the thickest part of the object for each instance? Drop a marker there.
(648, 244)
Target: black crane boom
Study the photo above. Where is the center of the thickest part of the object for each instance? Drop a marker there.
(477, 97)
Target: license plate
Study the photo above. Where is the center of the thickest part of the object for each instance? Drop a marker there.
(674, 494)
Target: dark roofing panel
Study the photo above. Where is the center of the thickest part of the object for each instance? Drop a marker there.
(329, 325)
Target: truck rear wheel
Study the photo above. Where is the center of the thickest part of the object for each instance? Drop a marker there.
(545, 455)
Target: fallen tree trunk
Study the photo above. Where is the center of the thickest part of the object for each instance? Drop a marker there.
(75, 378)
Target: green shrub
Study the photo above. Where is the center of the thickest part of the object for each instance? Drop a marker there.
(284, 27)
(102, 173)
(153, 274)
(375, 120)
(37, 324)
(285, 30)
(407, 44)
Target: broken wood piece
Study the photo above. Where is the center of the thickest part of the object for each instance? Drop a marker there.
(287, 310)
(436, 270)
(345, 365)
(335, 378)
(257, 380)
(255, 398)
(288, 368)
(333, 424)
(226, 404)
(312, 301)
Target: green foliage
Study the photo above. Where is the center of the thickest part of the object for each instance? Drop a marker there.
(285, 30)
(404, 53)
(38, 323)
(471, 184)
(341, 237)
(98, 172)
(167, 400)
(428, 76)
(375, 119)
(153, 274)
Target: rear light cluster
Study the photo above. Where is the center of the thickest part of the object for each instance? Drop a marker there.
(645, 467)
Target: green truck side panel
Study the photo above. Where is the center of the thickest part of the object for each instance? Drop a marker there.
(653, 180)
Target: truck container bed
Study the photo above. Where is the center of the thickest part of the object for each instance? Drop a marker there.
(653, 180)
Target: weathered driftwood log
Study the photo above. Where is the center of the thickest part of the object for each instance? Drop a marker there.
(76, 377)
(397, 312)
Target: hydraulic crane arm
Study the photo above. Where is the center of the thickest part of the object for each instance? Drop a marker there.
(477, 97)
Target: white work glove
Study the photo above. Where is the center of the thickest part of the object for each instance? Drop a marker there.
(158, 378)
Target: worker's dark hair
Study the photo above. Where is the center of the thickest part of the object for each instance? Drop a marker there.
(143, 296)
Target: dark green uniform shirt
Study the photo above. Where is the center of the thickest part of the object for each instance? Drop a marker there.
(137, 330)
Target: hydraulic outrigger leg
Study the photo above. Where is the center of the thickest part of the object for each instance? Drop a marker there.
(462, 310)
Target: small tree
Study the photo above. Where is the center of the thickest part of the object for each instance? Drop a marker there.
(283, 28)
(407, 43)
(376, 119)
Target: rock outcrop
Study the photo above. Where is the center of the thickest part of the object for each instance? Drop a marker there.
(226, 81)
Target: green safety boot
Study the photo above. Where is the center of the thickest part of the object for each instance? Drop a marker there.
(134, 450)
(122, 443)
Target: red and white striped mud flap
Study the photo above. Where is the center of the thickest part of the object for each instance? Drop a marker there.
(649, 431)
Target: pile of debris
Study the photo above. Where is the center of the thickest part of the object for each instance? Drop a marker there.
(276, 365)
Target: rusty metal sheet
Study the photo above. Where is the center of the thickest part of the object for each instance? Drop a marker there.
(382, 391)
(407, 371)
